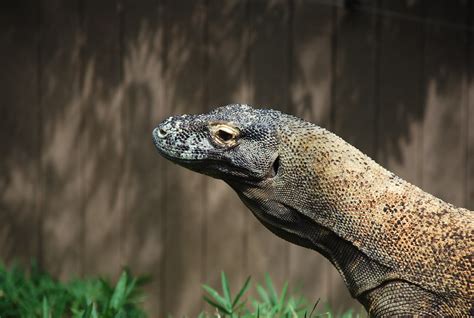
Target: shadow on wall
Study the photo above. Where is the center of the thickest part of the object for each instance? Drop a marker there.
(81, 187)
(78, 161)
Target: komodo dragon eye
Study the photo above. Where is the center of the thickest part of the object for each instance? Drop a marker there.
(223, 134)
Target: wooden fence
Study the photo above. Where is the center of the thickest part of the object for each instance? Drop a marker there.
(84, 82)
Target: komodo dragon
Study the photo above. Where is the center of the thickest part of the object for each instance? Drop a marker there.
(400, 250)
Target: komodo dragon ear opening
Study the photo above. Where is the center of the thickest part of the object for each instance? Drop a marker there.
(275, 166)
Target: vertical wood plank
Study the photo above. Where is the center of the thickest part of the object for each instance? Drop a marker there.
(269, 80)
(226, 215)
(354, 113)
(102, 159)
(311, 99)
(60, 76)
(470, 117)
(20, 130)
(312, 35)
(400, 100)
(354, 104)
(143, 109)
(445, 83)
(184, 219)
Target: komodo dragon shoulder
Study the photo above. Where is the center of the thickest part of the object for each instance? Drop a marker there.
(400, 250)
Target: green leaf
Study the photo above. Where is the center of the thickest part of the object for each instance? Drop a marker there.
(347, 314)
(226, 289)
(314, 307)
(88, 311)
(263, 294)
(281, 302)
(241, 291)
(118, 296)
(218, 306)
(130, 288)
(271, 289)
(45, 308)
(218, 298)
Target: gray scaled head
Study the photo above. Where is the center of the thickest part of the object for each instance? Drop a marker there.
(236, 143)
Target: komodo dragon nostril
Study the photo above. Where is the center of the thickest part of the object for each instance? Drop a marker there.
(160, 132)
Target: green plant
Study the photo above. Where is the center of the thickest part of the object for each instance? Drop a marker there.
(226, 304)
(34, 293)
(270, 303)
(273, 305)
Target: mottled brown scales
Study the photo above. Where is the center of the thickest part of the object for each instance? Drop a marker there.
(400, 250)
(424, 240)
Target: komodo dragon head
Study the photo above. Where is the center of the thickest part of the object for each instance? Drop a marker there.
(228, 143)
(385, 236)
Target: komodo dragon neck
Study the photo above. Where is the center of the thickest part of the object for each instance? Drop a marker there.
(382, 233)
(400, 250)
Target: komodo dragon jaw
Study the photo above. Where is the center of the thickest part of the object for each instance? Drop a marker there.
(400, 251)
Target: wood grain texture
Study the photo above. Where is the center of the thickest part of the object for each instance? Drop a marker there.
(226, 216)
(445, 75)
(470, 116)
(399, 130)
(269, 71)
(103, 152)
(185, 192)
(354, 90)
(20, 126)
(61, 132)
(142, 86)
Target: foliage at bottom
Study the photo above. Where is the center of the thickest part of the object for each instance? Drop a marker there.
(34, 293)
(269, 303)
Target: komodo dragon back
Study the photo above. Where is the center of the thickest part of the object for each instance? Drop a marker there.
(400, 250)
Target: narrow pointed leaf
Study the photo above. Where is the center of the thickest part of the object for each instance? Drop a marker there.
(263, 294)
(281, 302)
(87, 313)
(216, 305)
(271, 289)
(226, 289)
(118, 296)
(314, 307)
(218, 298)
(242, 291)
(95, 314)
(131, 289)
(45, 308)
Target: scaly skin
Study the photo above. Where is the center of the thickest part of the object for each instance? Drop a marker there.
(400, 250)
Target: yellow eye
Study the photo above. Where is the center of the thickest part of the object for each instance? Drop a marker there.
(224, 134)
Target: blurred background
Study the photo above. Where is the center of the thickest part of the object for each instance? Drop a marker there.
(83, 83)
